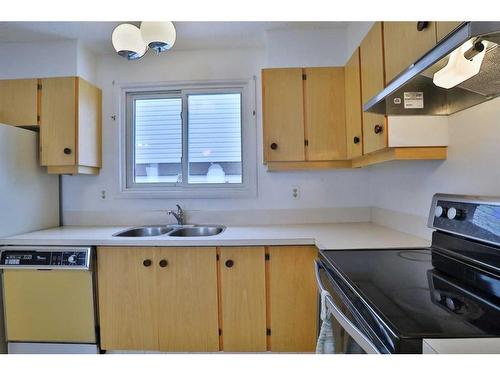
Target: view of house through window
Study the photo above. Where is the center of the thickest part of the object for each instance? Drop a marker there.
(187, 138)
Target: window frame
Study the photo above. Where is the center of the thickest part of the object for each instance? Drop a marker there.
(129, 188)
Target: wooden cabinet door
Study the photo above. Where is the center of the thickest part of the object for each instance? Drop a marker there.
(404, 44)
(293, 298)
(372, 82)
(374, 132)
(89, 124)
(19, 102)
(187, 291)
(283, 114)
(243, 299)
(128, 299)
(353, 110)
(372, 63)
(58, 121)
(324, 107)
(444, 28)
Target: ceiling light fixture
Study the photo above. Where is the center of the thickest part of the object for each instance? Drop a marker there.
(127, 41)
(159, 36)
(132, 42)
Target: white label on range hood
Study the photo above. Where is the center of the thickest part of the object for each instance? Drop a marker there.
(413, 100)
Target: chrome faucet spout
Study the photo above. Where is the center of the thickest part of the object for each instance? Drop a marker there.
(179, 215)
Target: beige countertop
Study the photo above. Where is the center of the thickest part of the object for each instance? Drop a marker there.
(324, 236)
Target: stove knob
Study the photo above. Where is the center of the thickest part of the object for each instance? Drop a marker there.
(455, 214)
(72, 259)
(453, 304)
(439, 211)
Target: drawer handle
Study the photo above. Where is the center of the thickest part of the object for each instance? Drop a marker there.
(229, 263)
(378, 129)
(163, 263)
(67, 151)
(422, 25)
(274, 146)
(146, 262)
(356, 140)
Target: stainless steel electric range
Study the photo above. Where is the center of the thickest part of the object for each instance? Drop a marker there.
(389, 300)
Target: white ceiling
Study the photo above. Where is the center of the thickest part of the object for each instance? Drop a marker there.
(190, 35)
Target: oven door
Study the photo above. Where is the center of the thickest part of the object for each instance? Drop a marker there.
(349, 336)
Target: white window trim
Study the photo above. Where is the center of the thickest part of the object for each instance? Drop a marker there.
(247, 189)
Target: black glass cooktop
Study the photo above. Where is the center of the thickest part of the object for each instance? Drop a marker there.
(412, 297)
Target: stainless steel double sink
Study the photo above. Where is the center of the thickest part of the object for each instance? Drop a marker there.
(172, 231)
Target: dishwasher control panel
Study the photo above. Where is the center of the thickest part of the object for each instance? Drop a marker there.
(45, 257)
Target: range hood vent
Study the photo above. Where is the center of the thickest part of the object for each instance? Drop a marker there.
(414, 88)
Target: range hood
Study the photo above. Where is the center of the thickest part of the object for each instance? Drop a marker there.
(413, 92)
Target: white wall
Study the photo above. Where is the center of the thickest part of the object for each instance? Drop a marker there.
(472, 166)
(320, 189)
(47, 59)
(355, 33)
(86, 63)
(38, 60)
(296, 47)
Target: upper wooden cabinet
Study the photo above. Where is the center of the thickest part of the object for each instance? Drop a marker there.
(444, 28)
(19, 102)
(68, 112)
(283, 114)
(70, 126)
(353, 111)
(303, 116)
(405, 43)
(372, 63)
(372, 82)
(324, 106)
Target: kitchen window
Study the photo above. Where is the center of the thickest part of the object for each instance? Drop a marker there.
(189, 141)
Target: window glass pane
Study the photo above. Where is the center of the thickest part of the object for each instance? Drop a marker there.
(214, 138)
(158, 140)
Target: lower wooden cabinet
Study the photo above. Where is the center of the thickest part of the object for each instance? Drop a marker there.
(293, 299)
(243, 299)
(203, 299)
(161, 299)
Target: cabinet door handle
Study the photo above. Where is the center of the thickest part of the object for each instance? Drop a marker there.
(67, 151)
(422, 25)
(356, 140)
(163, 263)
(274, 146)
(378, 129)
(229, 263)
(146, 262)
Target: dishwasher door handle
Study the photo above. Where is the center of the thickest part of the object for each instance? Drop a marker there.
(337, 313)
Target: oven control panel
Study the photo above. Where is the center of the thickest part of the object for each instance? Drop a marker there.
(472, 217)
(45, 258)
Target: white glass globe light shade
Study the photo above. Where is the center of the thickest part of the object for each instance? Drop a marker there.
(159, 36)
(127, 41)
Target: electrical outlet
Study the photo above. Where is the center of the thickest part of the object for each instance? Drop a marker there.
(295, 192)
(103, 195)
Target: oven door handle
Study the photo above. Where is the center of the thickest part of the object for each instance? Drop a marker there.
(337, 313)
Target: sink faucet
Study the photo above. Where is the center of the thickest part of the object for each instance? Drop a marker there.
(179, 215)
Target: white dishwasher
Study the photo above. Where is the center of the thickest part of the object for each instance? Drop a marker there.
(48, 298)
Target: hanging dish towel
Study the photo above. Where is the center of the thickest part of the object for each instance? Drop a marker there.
(326, 341)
